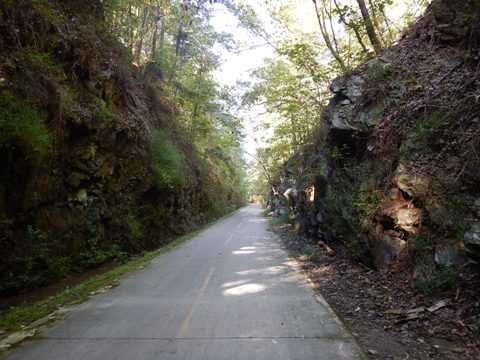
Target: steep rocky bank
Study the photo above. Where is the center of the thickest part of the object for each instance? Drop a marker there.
(95, 164)
(393, 171)
(390, 185)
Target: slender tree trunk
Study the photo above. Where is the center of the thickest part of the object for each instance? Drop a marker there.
(161, 44)
(354, 28)
(372, 34)
(132, 28)
(388, 24)
(155, 32)
(178, 43)
(377, 13)
(326, 37)
(330, 20)
(143, 31)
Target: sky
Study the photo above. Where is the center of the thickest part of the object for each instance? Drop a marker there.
(238, 66)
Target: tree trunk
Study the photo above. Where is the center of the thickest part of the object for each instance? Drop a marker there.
(354, 28)
(372, 35)
(178, 43)
(132, 28)
(326, 37)
(161, 44)
(143, 31)
(155, 32)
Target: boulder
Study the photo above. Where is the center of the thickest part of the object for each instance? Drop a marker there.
(344, 110)
(291, 194)
(453, 18)
(476, 206)
(472, 242)
(439, 215)
(411, 182)
(320, 217)
(82, 196)
(400, 212)
(408, 218)
(348, 87)
(385, 249)
(449, 252)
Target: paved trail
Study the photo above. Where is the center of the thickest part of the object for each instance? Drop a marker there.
(230, 293)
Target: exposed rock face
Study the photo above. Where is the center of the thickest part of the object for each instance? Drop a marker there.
(396, 171)
(454, 19)
(347, 92)
(411, 181)
(95, 195)
(386, 249)
(449, 252)
(472, 242)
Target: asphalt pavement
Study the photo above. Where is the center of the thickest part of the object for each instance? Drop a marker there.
(229, 293)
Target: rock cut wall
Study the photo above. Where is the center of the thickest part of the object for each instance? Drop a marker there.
(397, 179)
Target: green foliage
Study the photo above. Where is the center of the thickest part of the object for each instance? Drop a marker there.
(376, 111)
(377, 72)
(425, 130)
(366, 206)
(46, 61)
(43, 7)
(22, 127)
(349, 215)
(95, 255)
(15, 318)
(435, 282)
(422, 244)
(342, 158)
(311, 251)
(167, 161)
(281, 219)
(37, 264)
(458, 206)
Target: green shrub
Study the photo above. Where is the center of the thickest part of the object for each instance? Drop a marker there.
(94, 255)
(279, 220)
(167, 161)
(458, 206)
(43, 59)
(36, 263)
(433, 281)
(20, 126)
(425, 132)
(311, 251)
(422, 244)
(377, 72)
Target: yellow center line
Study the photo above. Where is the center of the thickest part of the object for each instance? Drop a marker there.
(184, 325)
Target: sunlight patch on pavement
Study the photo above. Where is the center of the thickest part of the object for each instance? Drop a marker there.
(245, 289)
(234, 283)
(243, 252)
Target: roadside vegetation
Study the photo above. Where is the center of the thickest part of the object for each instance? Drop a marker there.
(18, 316)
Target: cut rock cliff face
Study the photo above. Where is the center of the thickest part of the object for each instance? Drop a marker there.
(78, 185)
(396, 173)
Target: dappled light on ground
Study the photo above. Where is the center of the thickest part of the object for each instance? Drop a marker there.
(234, 283)
(243, 252)
(245, 289)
